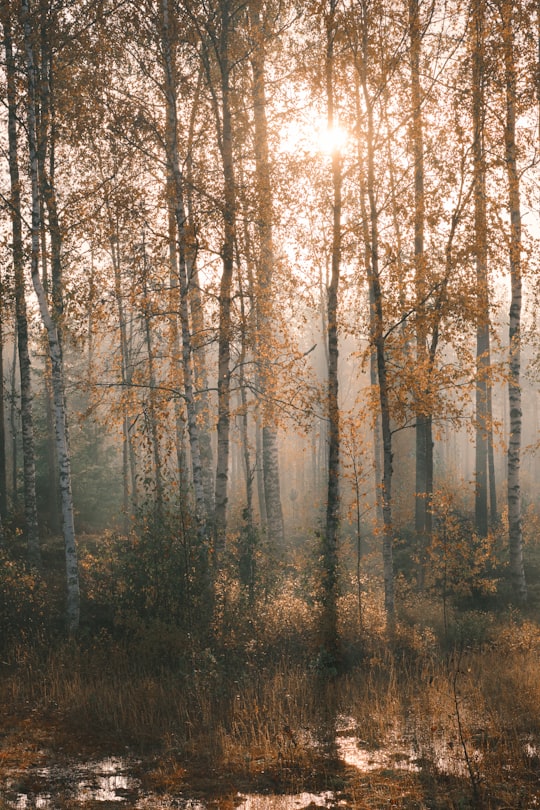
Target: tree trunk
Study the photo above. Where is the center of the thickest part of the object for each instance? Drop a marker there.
(247, 538)
(176, 187)
(259, 471)
(129, 471)
(13, 424)
(379, 342)
(330, 542)
(55, 351)
(483, 417)
(224, 336)
(515, 536)
(423, 433)
(29, 463)
(198, 330)
(376, 438)
(3, 476)
(152, 391)
(176, 353)
(264, 296)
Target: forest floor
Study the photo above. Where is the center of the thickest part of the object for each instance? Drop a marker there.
(138, 712)
(426, 742)
(43, 766)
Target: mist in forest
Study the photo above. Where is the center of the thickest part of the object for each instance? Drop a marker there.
(269, 432)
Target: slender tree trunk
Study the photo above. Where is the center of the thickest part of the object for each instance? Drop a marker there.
(379, 342)
(29, 464)
(330, 544)
(377, 449)
(198, 331)
(176, 352)
(55, 351)
(264, 297)
(129, 466)
(515, 537)
(224, 337)
(247, 534)
(14, 427)
(493, 510)
(3, 476)
(424, 419)
(45, 125)
(176, 187)
(483, 419)
(259, 471)
(128, 453)
(152, 391)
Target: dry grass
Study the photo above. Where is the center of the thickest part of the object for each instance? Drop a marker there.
(467, 716)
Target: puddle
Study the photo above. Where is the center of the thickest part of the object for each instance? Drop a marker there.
(106, 780)
(111, 780)
(402, 751)
(300, 800)
(397, 753)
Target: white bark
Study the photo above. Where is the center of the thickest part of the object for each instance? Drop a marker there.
(55, 351)
(29, 464)
(514, 385)
(264, 295)
(176, 185)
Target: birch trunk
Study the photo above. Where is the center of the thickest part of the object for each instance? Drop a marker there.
(179, 414)
(247, 535)
(259, 471)
(29, 464)
(129, 472)
(330, 546)
(3, 475)
(45, 126)
(13, 425)
(378, 339)
(198, 326)
(224, 338)
(423, 433)
(176, 187)
(152, 405)
(376, 439)
(515, 536)
(481, 259)
(264, 297)
(55, 351)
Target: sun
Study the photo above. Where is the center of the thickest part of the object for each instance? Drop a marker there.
(312, 135)
(332, 139)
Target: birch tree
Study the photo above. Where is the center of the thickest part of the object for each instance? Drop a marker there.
(483, 417)
(55, 349)
(176, 186)
(29, 463)
(330, 544)
(264, 298)
(424, 417)
(377, 319)
(515, 536)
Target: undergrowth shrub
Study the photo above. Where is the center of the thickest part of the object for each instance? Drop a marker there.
(26, 612)
(158, 574)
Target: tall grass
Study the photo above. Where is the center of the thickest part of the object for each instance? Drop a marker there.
(463, 702)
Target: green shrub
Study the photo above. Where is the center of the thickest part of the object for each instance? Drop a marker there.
(25, 609)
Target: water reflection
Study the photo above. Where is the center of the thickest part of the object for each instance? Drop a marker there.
(396, 752)
(106, 780)
(112, 780)
(109, 793)
(300, 800)
(109, 780)
(25, 801)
